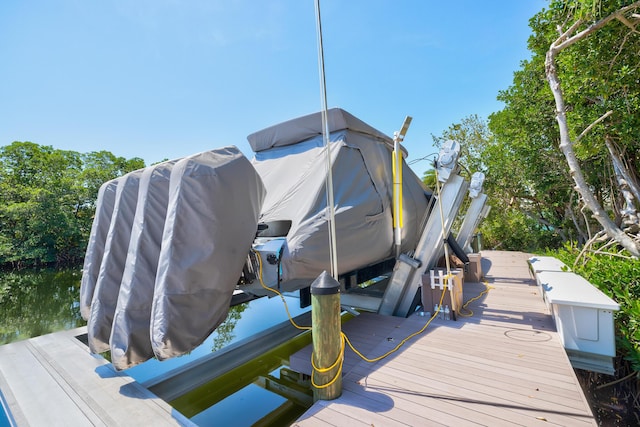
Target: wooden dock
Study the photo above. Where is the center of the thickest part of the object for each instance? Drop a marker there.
(503, 366)
(53, 380)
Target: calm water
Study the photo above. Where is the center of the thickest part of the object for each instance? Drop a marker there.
(34, 303)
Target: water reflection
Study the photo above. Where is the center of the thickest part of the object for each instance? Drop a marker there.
(224, 333)
(37, 302)
(243, 321)
(34, 303)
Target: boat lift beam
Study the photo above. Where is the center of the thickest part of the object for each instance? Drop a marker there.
(406, 280)
(475, 213)
(472, 219)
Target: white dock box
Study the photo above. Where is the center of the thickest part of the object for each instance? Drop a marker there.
(538, 264)
(546, 263)
(584, 319)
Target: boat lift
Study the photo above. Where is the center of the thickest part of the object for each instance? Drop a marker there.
(402, 288)
(477, 211)
(213, 255)
(402, 291)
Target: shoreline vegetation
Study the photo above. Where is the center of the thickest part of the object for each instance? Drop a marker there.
(47, 202)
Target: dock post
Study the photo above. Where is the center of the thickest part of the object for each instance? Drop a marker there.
(327, 340)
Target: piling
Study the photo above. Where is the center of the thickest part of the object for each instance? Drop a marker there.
(327, 342)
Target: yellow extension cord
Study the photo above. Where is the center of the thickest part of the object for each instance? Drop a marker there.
(344, 339)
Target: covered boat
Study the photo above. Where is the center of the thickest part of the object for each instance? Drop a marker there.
(183, 236)
(290, 159)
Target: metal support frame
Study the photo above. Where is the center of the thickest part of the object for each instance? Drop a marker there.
(407, 275)
(471, 221)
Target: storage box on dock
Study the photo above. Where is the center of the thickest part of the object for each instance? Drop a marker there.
(432, 290)
(584, 319)
(538, 264)
(546, 263)
(473, 270)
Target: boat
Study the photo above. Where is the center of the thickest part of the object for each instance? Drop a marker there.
(173, 244)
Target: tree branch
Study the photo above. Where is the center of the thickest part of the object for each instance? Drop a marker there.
(564, 36)
(586, 246)
(633, 186)
(627, 23)
(581, 234)
(566, 145)
(601, 118)
(565, 41)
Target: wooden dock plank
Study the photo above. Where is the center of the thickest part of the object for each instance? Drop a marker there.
(514, 355)
(330, 417)
(501, 381)
(354, 406)
(439, 380)
(31, 388)
(446, 404)
(504, 365)
(495, 366)
(54, 380)
(444, 413)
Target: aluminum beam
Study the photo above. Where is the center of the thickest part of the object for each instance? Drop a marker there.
(471, 221)
(407, 274)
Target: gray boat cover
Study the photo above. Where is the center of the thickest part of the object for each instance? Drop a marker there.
(290, 159)
(105, 295)
(95, 247)
(215, 200)
(176, 235)
(130, 337)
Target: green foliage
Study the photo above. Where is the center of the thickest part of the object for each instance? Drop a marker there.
(527, 170)
(47, 201)
(598, 74)
(526, 212)
(225, 331)
(429, 179)
(510, 229)
(619, 278)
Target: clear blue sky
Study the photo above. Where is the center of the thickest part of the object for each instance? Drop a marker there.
(167, 78)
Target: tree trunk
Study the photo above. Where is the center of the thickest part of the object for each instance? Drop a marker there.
(566, 145)
(582, 236)
(617, 163)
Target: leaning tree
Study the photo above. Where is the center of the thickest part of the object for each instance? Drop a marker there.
(615, 36)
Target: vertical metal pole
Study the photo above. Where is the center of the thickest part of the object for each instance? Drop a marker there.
(333, 256)
(397, 194)
(398, 137)
(325, 290)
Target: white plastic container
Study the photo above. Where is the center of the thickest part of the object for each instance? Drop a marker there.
(538, 264)
(584, 319)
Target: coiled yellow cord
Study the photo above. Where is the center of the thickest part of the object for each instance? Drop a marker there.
(339, 360)
(286, 306)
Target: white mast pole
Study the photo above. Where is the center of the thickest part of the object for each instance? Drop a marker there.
(325, 133)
